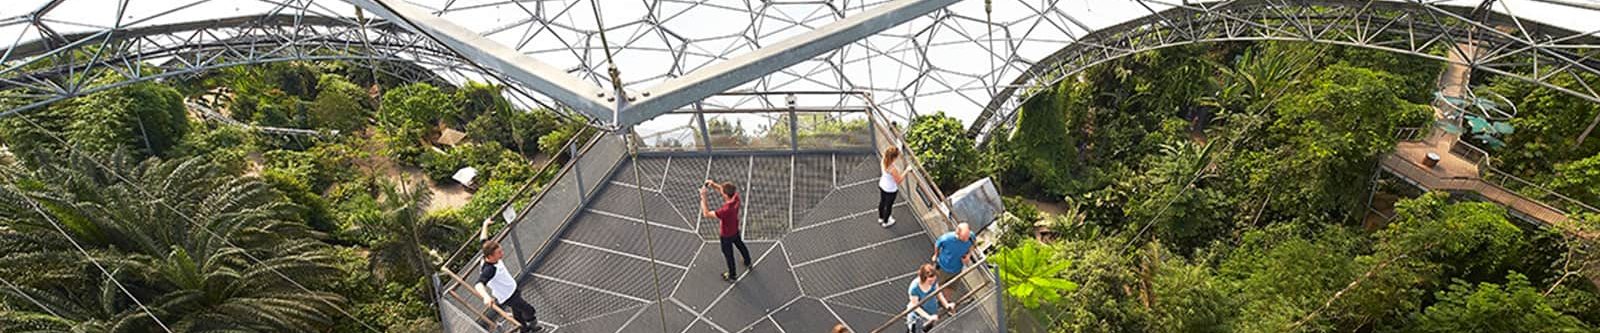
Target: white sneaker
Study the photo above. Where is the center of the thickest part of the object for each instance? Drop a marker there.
(888, 223)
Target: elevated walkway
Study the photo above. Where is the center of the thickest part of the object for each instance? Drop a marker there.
(1462, 167)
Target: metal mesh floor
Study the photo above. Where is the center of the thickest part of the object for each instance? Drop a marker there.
(809, 221)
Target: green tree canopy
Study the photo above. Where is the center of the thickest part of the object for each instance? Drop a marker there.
(340, 105)
(1515, 306)
(942, 145)
(147, 119)
(417, 105)
(191, 256)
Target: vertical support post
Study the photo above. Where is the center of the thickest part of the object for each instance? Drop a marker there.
(794, 127)
(438, 289)
(872, 125)
(577, 170)
(705, 133)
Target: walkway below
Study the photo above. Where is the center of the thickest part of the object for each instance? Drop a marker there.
(1447, 177)
(1454, 172)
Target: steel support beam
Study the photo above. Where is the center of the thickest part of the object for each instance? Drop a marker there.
(581, 96)
(725, 75)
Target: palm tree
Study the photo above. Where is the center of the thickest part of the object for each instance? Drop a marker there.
(203, 249)
(403, 238)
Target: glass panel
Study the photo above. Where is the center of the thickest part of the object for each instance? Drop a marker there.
(748, 131)
(671, 132)
(832, 130)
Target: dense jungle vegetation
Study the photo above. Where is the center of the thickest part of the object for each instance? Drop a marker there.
(1225, 188)
(215, 225)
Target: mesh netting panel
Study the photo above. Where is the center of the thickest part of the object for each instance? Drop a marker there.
(563, 303)
(608, 322)
(805, 315)
(862, 171)
(735, 169)
(627, 236)
(766, 208)
(596, 164)
(984, 317)
(844, 234)
(864, 320)
(651, 169)
(454, 319)
(813, 179)
(684, 177)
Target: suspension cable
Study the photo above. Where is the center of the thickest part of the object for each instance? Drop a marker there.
(71, 148)
(616, 75)
(35, 206)
(650, 242)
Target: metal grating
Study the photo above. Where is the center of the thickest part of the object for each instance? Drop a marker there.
(597, 277)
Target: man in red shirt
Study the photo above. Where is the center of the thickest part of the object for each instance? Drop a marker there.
(728, 221)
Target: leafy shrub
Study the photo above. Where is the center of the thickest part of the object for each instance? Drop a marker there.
(552, 142)
(339, 104)
(417, 105)
(491, 160)
(942, 145)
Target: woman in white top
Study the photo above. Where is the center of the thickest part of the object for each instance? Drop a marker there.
(889, 185)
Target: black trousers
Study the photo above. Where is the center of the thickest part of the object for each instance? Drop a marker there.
(728, 243)
(885, 204)
(524, 312)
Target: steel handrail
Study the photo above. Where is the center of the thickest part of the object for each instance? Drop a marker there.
(567, 167)
(1486, 168)
(491, 305)
(525, 189)
(922, 182)
(457, 281)
(1503, 175)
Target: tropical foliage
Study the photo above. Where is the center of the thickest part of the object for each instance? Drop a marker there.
(119, 201)
(1226, 188)
(204, 250)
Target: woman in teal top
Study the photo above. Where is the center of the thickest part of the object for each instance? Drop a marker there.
(923, 314)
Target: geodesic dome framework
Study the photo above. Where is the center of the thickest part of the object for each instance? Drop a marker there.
(620, 64)
(974, 59)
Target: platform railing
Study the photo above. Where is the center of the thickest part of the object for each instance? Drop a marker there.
(528, 190)
(930, 203)
(1489, 175)
(763, 121)
(461, 307)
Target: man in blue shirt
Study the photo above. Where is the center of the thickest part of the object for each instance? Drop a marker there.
(952, 251)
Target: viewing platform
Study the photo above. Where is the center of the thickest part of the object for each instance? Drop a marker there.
(616, 242)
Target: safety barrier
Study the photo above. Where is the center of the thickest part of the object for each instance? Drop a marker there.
(930, 203)
(852, 124)
(461, 307)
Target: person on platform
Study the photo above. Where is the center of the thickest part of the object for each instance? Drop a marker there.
(497, 285)
(924, 312)
(953, 251)
(889, 186)
(727, 222)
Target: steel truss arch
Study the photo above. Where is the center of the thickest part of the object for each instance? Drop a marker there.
(1506, 45)
(51, 70)
(976, 59)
